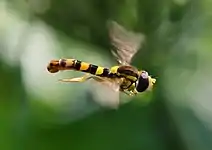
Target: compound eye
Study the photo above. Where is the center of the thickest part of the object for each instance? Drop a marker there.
(143, 82)
(144, 74)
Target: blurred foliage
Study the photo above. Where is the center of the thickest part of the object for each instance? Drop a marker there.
(37, 113)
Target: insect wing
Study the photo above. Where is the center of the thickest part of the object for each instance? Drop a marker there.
(126, 44)
(106, 93)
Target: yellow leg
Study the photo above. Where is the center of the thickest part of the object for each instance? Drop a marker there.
(96, 78)
(83, 79)
(99, 79)
(130, 93)
(78, 79)
(135, 92)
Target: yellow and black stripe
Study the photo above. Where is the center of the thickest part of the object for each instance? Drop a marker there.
(73, 64)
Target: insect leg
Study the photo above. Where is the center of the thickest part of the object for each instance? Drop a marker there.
(83, 79)
(78, 79)
(99, 79)
(129, 93)
(135, 92)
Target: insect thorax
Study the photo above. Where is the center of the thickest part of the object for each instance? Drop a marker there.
(128, 72)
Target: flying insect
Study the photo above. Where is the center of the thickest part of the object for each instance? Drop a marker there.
(122, 77)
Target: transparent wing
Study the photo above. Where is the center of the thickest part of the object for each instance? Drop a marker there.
(106, 93)
(126, 43)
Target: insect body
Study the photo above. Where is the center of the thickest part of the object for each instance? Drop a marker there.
(122, 77)
(130, 78)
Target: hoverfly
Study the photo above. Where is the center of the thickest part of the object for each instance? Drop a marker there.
(123, 77)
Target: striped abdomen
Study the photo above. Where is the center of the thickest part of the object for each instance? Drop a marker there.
(73, 64)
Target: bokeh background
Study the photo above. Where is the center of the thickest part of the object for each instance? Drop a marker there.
(39, 113)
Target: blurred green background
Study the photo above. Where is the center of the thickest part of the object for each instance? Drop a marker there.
(39, 113)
